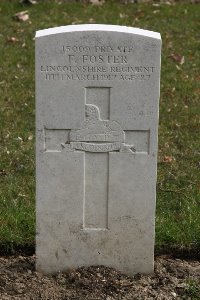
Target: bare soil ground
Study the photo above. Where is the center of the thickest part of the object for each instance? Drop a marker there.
(173, 279)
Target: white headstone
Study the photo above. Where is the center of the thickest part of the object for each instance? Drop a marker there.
(97, 90)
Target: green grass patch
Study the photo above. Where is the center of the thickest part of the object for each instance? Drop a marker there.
(178, 188)
(192, 290)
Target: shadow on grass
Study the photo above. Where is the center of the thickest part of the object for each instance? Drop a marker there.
(193, 253)
(8, 249)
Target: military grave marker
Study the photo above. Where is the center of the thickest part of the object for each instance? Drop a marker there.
(97, 94)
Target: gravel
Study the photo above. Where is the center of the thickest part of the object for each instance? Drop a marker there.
(172, 279)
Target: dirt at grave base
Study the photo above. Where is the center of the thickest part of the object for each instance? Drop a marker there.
(173, 279)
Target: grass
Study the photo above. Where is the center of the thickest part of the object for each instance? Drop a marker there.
(192, 290)
(178, 188)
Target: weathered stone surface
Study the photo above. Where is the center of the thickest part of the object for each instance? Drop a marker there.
(97, 92)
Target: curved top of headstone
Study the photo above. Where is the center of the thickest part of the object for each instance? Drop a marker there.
(98, 27)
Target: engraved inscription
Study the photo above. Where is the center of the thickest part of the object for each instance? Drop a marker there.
(99, 63)
(98, 49)
(92, 147)
(111, 136)
(67, 72)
